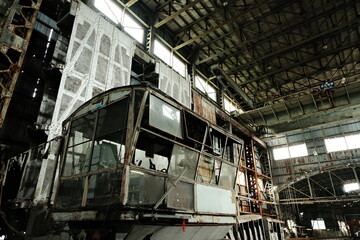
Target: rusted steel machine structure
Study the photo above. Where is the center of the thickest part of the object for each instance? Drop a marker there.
(15, 33)
(144, 164)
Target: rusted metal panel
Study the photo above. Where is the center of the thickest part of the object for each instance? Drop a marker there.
(204, 108)
(130, 145)
(15, 35)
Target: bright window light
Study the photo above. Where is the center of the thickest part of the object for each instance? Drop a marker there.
(294, 151)
(298, 150)
(162, 52)
(335, 144)
(318, 224)
(170, 113)
(205, 87)
(228, 105)
(110, 9)
(281, 153)
(353, 141)
(179, 66)
(342, 143)
(200, 84)
(349, 187)
(211, 92)
(133, 28)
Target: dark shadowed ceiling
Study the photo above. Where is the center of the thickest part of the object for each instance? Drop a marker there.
(289, 64)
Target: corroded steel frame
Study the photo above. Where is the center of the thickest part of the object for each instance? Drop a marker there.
(15, 33)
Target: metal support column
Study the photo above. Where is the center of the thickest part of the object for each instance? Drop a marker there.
(15, 32)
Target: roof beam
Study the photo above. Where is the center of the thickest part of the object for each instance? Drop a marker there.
(291, 47)
(241, 13)
(189, 26)
(130, 3)
(233, 84)
(163, 5)
(272, 33)
(171, 17)
(325, 54)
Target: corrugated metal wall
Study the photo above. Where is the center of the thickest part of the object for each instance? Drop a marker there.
(318, 159)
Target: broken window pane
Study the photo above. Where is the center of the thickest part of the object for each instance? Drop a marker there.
(104, 188)
(82, 129)
(31, 174)
(145, 189)
(152, 152)
(227, 176)
(195, 129)
(165, 117)
(218, 142)
(232, 151)
(156, 162)
(181, 196)
(183, 158)
(70, 193)
(108, 151)
(208, 170)
(77, 159)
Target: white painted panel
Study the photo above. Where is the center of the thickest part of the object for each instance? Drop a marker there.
(173, 84)
(214, 200)
(98, 59)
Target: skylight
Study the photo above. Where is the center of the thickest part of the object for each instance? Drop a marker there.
(342, 143)
(349, 187)
(293, 151)
(298, 150)
(162, 52)
(318, 224)
(353, 141)
(335, 144)
(110, 9)
(281, 153)
(133, 28)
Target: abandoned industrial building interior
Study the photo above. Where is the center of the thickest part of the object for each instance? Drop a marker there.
(179, 119)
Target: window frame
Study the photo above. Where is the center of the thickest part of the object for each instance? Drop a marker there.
(320, 223)
(288, 149)
(139, 25)
(93, 138)
(204, 89)
(109, 4)
(346, 142)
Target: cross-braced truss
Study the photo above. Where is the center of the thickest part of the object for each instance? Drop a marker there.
(323, 187)
(275, 51)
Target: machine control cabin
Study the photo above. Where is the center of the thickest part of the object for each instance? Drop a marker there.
(138, 150)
